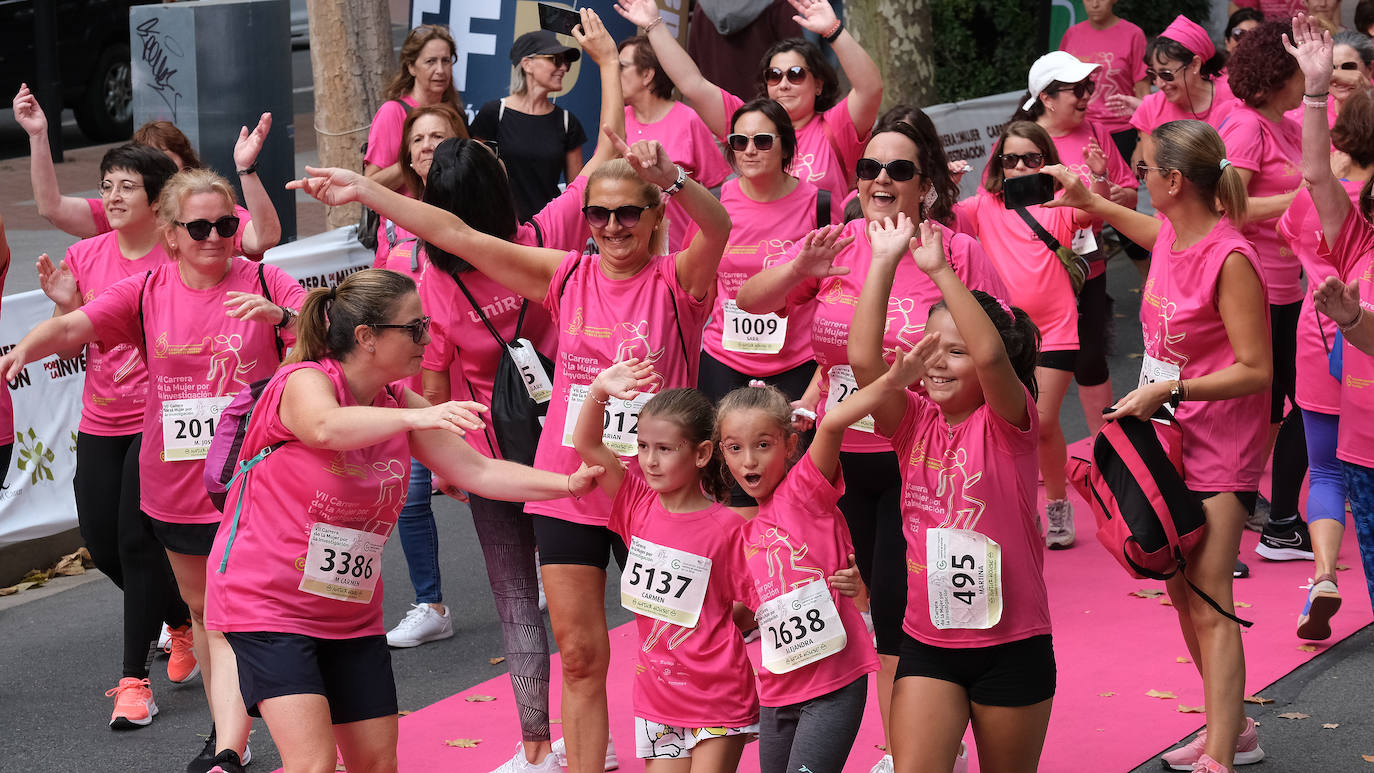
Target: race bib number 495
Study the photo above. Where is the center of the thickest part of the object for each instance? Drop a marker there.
(963, 579)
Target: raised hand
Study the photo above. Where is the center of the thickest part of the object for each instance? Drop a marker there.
(624, 379)
(1338, 300)
(817, 255)
(908, 367)
(58, 283)
(1095, 157)
(1311, 46)
(331, 186)
(27, 112)
(890, 240)
(814, 15)
(640, 13)
(1123, 104)
(249, 144)
(957, 170)
(929, 253)
(1075, 193)
(648, 158)
(591, 34)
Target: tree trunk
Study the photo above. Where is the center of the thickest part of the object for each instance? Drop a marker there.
(350, 55)
(896, 33)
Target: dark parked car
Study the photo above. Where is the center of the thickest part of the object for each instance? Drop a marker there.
(92, 53)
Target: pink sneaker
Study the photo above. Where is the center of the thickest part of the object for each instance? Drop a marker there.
(1185, 757)
(1206, 764)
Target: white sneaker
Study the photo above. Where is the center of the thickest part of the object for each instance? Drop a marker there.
(164, 639)
(539, 576)
(1061, 533)
(560, 751)
(884, 765)
(961, 762)
(518, 763)
(421, 624)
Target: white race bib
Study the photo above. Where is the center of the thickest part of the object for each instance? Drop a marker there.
(342, 563)
(619, 420)
(1084, 243)
(532, 372)
(664, 583)
(842, 385)
(963, 579)
(799, 628)
(188, 426)
(752, 333)
(1153, 371)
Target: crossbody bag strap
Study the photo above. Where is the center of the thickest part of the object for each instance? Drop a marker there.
(490, 328)
(1044, 236)
(822, 208)
(276, 330)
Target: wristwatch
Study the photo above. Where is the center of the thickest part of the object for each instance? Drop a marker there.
(287, 314)
(1175, 394)
(677, 184)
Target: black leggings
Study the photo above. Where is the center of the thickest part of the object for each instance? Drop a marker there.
(1094, 332)
(1126, 140)
(121, 542)
(1290, 447)
(872, 507)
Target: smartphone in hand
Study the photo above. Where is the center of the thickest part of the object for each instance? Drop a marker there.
(1028, 190)
(559, 20)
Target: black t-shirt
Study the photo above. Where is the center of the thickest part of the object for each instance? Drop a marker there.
(535, 149)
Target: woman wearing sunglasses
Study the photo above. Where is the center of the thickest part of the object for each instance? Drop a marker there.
(1058, 101)
(1266, 148)
(830, 130)
(903, 169)
(196, 362)
(294, 582)
(1040, 284)
(1351, 60)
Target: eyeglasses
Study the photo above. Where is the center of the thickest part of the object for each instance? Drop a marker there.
(1238, 33)
(1031, 160)
(1346, 66)
(199, 230)
(417, 329)
(125, 188)
(1163, 73)
(627, 216)
(900, 170)
(1141, 169)
(1080, 89)
(794, 74)
(763, 141)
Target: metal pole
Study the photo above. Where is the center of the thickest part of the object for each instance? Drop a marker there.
(48, 75)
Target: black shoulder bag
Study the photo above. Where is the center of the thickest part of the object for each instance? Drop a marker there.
(1072, 261)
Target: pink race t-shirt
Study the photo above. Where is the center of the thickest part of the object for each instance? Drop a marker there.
(1224, 440)
(1353, 257)
(1120, 49)
(254, 584)
(116, 391)
(1038, 281)
(404, 256)
(1156, 109)
(689, 144)
(979, 475)
(834, 298)
(763, 234)
(691, 677)
(1301, 228)
(193, 350)
(599, 322)
(1273, 152)
(384, 137)
(798, 537)
(1071, 147)
(827, 146)
(102, 222)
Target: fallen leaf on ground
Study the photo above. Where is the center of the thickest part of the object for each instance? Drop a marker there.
(1147, 593)
(1330, 725)
(1191, 709)
(1160, 694)
(1107, 694)
(480, 698)
(495, 661)
(464, 743)
(1367, 757)
(1344, 568)
(1258, 699)
(1182, 660)
(1294, 715)
(1243, 604)
(1307, 648)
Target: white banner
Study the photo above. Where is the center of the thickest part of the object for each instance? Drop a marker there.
(969, 129)
(37, 500)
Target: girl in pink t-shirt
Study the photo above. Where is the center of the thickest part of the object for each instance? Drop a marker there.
(1207, 357)
(817, 652)
(694, 687)
(976, 609)
(1119, 47)
(830, 130)
(1040, 284)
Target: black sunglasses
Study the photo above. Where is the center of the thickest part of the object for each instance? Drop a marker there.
(1163, 73)
(900, 170)
(1346, 66)
(795, 74)
(417, 329)
(1031, 160)
(199, 230)
(627, 216)
(762, 141)
(1080, 89)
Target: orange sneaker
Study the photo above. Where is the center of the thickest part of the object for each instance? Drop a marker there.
(134, 706)
(182, 665)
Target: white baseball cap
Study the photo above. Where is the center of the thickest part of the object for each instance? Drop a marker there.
(1055, 66)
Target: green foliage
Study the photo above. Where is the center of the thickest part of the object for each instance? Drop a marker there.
(1153, 17)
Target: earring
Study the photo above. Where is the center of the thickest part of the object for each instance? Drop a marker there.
(372, 349)
(928, 200)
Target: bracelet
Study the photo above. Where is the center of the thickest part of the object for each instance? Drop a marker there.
(834, 33)
(1317, 96)
(677, 184)
(592, 397)
(570, 491)
(1099, 178)
(1352, 324)
(253, 169)
(1315, 103)
(657, 21)
(287, 315)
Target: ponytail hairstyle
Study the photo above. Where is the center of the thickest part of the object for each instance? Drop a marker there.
(620, 169)
(693, 413)
(1197, 152)
(1020, 336)
(329, 315)
(1026, 130)
(758, 396)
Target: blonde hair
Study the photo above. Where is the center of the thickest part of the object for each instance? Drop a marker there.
(1195, 149)
(185, 183)
(330, 315)
(620, 169)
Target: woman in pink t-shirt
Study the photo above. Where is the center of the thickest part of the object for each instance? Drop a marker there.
(830, 130)
(694, 694)
(1205, 323)
(1118, 47)
(1038, 282)
(977, 610)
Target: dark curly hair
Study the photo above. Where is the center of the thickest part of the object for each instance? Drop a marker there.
(915, 125)
(816, 64)
(1260, 66)
(1020, 336)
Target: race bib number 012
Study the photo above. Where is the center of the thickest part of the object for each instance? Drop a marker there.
(842, 385)
(963, 579)
(664, 583)
(188, 426)
(799, 628)
(342, 563)
(619, 420)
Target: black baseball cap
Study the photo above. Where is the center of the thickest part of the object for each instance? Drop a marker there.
(541, 43)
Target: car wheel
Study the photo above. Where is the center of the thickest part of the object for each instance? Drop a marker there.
(106, 110)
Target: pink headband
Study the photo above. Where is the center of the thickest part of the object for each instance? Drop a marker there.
(1007, 309)
(1190, 35)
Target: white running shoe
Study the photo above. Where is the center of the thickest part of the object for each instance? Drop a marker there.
(539, 575)
(421, 624)
(1061, 533)
(560, 751)
(884, 765)
(518, 763)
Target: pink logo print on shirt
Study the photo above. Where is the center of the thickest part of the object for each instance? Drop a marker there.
(774, 251)
(911, 330)
(1162, 340)
(634, 342)
(224, 377)
(776, 541)
(659, 628)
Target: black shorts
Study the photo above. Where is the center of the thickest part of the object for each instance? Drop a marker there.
(565, 542)
(191, 539)
(1018, 673)
(354, 675)
(1248, 499)
(1065, 359)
